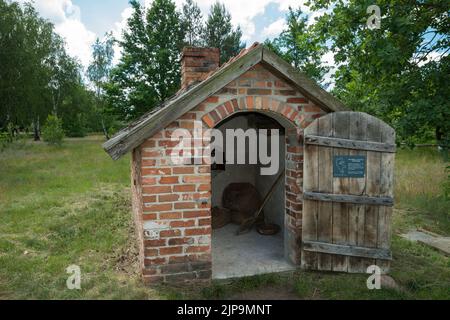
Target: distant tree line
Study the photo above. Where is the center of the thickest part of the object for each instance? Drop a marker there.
(37, 76)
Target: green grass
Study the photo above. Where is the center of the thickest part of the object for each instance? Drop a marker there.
(71, 205)
(420, 202)
(61, 206)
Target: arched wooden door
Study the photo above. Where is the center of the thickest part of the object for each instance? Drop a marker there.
(348, 193)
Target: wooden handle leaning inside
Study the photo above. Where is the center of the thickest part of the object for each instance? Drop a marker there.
(247, 225)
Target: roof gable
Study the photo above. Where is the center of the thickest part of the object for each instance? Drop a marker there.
(136, 133)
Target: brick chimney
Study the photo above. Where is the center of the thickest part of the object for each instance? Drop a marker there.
(197, 63)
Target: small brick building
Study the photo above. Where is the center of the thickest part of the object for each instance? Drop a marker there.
(172, 203)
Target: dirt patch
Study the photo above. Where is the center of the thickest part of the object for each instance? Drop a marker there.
(127, 258)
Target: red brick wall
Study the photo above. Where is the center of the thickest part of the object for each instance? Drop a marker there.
(176, 200)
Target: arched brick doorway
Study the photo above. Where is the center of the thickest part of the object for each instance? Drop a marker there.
(290, 204)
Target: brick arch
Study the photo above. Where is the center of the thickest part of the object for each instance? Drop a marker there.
(293, 119)
(254, 104)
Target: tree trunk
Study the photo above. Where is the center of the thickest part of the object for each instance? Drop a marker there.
(55, 104)
(36, 129)
(105, 132)
(439, 136)
(102, 120)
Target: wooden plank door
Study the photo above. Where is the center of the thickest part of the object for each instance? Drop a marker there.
(348, 193)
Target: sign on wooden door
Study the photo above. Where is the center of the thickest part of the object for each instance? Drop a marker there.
(348, 193)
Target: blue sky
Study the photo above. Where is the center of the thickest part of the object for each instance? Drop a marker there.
(80, 22)
(100, 16)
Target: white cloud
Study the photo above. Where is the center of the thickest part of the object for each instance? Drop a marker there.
(275, 28)
(67, 20)
(119, 28)
(243, 14)
(432, 56)
(57, 10)
(79, 39)
(285, 4)
(328, 60)
(315, 15)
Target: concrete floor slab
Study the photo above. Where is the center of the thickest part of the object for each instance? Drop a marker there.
(246, 255)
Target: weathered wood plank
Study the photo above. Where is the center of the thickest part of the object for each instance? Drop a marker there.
(386, 189)
(341, 130)
(357, 187)
(350, 144)
(347, 250)
(348, 198)
(310, 208)
(372, 189)
(325, 224)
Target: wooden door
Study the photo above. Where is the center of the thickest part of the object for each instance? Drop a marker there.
(348, 193)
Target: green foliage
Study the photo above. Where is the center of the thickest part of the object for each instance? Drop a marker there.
(219, 33)
(10, 132)
(99, 73)
(78, 112)
(4, 140)
(64, 77)
(398, 73)
(447, 185)
(192, 24)
(388, 72)
(52, 131)
(38, 77)
(149, 70)
(115, 126)
(99, 70)
(300, 46)
(24, 86)
(76, 127)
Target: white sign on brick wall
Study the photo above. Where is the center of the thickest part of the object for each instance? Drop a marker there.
(153, 229)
